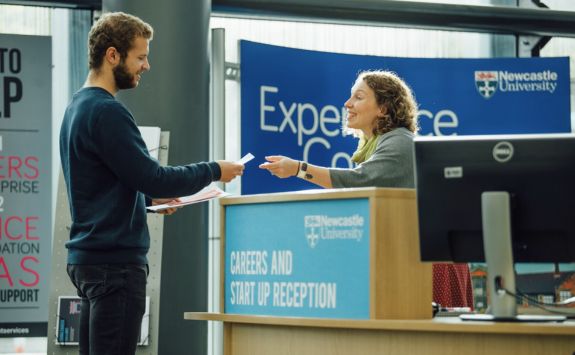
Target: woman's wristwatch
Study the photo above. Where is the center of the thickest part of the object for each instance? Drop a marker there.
(302, 171)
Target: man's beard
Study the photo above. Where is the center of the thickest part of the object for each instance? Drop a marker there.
(123, 79)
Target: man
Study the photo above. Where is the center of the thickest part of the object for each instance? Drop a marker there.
(110, 179)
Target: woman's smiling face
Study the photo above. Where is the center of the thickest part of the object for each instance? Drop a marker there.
(362, 108)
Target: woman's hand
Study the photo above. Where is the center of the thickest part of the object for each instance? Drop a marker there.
(281, 166)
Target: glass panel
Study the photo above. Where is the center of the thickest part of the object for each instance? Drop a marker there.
(354, 39)
(25, 20)
(564, 5)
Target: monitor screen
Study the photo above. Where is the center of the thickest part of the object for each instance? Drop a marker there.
(538, 172)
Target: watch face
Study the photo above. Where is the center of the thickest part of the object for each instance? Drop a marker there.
(303, 172)
(307, 175)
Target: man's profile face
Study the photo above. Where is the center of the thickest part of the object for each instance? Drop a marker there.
(127, 74)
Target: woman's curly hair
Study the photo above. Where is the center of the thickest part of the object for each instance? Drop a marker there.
(395, 95)
(118, 30)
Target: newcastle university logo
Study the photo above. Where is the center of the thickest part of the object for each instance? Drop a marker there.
(312, 226)
(486, 83)
(323, 227)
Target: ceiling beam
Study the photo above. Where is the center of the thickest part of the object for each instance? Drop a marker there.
(410, 14)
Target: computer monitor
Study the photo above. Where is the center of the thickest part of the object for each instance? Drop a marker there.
(515, 193)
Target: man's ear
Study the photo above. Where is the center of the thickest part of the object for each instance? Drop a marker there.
(112, 56)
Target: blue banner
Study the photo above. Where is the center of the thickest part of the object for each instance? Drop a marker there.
(300, 259)
(292, 102)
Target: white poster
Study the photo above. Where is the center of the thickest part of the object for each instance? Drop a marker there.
(25, 184)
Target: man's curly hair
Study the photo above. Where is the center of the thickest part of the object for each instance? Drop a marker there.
(118, 30)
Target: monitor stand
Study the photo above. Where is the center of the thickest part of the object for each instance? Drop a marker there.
(496, 223)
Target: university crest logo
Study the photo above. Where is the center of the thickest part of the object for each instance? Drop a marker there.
(486, 83)
(312, 229)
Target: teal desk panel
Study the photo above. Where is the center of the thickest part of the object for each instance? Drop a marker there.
(301, 259)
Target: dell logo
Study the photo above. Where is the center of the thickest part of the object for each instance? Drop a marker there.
(503, 152)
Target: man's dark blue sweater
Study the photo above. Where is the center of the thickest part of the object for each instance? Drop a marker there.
(110, 175)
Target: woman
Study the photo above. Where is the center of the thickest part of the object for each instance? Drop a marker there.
(382, 112)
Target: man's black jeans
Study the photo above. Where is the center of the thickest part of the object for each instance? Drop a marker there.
(113, 303)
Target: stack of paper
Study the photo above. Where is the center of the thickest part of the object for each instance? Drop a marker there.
(207, 193)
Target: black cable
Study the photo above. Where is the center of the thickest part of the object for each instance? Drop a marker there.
(541, 305)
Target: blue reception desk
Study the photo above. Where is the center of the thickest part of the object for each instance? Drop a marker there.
(298, 258)
(345, 254)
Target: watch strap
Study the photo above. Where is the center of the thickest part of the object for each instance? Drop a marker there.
(302, 170)
(302, 173)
